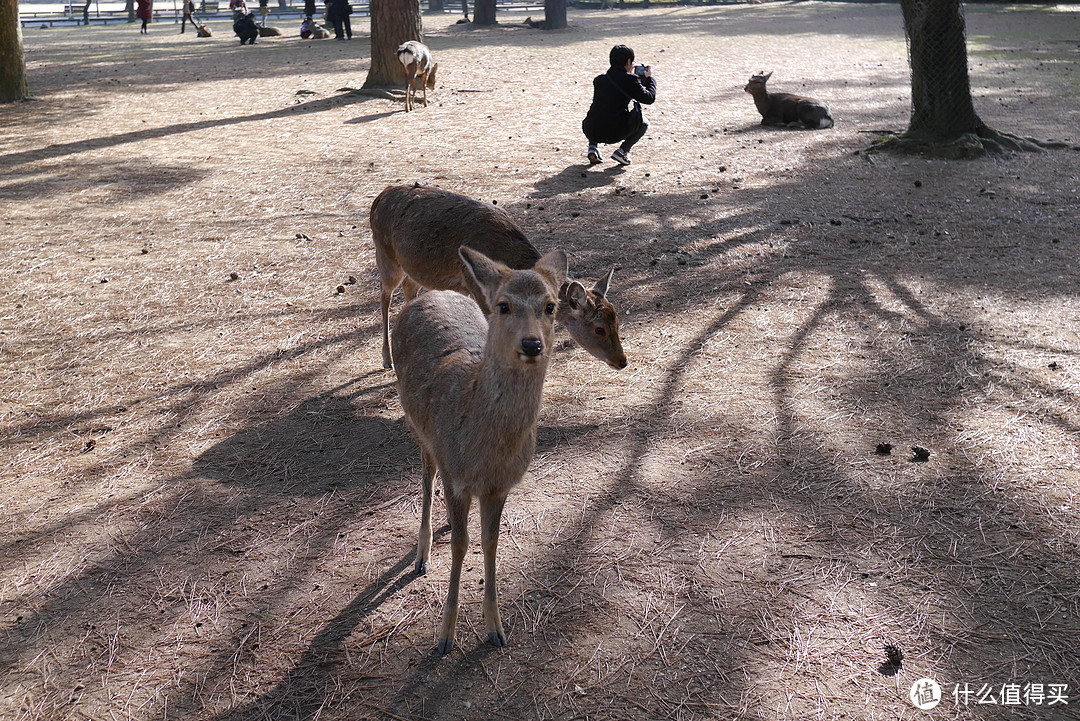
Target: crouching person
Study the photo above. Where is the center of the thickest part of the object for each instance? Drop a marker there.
(610, 119)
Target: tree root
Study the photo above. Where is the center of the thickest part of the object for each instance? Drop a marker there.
(985, 141)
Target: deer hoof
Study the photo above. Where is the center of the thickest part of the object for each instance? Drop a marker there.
(421, 568)
(445, 645)
(498, 639)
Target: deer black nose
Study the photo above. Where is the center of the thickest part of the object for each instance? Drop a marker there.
(532, 347)
(622, 363)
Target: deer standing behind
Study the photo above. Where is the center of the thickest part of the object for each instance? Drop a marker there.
(785, 108)
(419, 70)
(417, 231)
(471, 387)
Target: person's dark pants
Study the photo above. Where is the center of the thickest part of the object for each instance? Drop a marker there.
(635, 134)
(342, 26)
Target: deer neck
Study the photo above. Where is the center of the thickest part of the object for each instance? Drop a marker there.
(761, 100)
(507, 399)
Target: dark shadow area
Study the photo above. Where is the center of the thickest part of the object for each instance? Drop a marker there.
(111, 141)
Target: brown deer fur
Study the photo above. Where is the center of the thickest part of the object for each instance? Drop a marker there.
(785, 108)
(417, 231)
(471, 389)
(419, 70)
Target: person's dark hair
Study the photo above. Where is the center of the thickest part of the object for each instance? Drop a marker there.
(619, 55)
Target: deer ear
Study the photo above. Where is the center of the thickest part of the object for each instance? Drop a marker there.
(431, 77)
(485, 274)
(576, 295)
(554, 266)
(601, 287)
(767, 76)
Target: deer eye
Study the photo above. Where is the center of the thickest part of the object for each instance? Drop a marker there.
(550, 309)
(599, 330)
(504, 308)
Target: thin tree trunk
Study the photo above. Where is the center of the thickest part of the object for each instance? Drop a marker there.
(554, 14)
(435, 6)
(483, 12)
(130, 7)
(12, 60)
(393, 22)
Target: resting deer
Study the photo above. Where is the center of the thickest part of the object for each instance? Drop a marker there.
(417, 231)
(416, 58)
(471, 388)
(785, 108)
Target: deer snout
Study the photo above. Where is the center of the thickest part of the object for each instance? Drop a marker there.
(532, 347)
(619, 363)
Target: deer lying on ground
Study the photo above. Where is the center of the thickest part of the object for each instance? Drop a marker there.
(471, 388)
(417, 231)
(419, 70)
(203, 31)
(269, 32)
(785, 108)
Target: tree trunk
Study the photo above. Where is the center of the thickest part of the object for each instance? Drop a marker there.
(554, 14)
(392, 23)
(943, 118)
(435, 6)
(483, 12)
(130, 7)
(12, 61)
(941, 105)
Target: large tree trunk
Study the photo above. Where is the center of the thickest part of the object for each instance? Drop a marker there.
(12, 61)
(392, 23)
(943, 118)
(941, 105)
(483, 12)
(554, 14)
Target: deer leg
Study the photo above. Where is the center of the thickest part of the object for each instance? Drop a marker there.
(457, 507)
(423, 545)
(410, 91)
(410, 288)
(491, 508)
(390, 277)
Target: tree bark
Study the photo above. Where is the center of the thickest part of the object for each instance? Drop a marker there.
(130, 7)
(12, 61)
(941, 105)
(435, 6)
(554, 14)
(483, 12)
(943, 118)
(393, 22)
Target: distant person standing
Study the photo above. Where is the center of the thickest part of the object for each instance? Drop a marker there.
(338, 12)
(189, 15)
(264, 10)
(144, 13)
(609, 120)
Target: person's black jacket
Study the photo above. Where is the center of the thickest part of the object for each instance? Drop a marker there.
(609, 119)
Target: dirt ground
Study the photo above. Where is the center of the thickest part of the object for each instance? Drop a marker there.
(210, 501)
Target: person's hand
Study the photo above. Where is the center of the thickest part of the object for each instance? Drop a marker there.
(648, 71)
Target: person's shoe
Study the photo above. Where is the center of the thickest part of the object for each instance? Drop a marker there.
(620, 157)
(594, 155)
